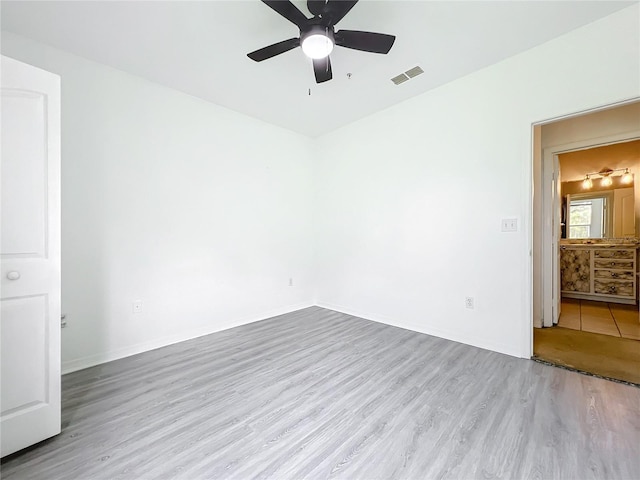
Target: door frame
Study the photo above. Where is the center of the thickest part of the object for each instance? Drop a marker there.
(550, 268)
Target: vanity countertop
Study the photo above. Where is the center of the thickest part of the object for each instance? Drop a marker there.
(632, 243)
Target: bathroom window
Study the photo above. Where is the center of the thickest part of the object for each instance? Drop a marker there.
(588, 216)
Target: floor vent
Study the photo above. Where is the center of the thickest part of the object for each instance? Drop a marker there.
(408, 75)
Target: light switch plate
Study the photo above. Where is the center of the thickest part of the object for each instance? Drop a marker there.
(509, 224)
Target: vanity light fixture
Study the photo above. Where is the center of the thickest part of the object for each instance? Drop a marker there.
(606, 181)
(606, 176)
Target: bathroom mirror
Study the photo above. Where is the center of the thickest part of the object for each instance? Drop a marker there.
(603, 214)
(589, 215)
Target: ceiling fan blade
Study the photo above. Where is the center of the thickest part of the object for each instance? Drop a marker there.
(322, 69)
(337, 9)
(316, 7)
(365, 41)
(288, 10)
(273, 50)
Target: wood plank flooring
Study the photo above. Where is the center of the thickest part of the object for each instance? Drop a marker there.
(323, 395)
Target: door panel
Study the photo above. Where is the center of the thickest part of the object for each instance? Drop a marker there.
(24, 200)
(24, 328)
(623, 213)
(30, 256)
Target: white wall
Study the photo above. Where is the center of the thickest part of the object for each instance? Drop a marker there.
(200, 212)
(410, 199)
(204, 214)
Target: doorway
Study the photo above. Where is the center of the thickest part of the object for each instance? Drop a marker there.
(587, 245)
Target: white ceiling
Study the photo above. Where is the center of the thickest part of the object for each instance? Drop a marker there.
(200, 48)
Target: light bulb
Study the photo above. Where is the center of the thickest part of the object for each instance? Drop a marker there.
(627, 178)
(317, 46)
(606, 181)
(587, 183)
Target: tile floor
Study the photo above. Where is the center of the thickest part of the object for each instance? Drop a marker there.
(600, 317)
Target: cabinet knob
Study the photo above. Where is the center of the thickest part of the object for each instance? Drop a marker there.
(613, 264)
(614, 274)
(13, 275)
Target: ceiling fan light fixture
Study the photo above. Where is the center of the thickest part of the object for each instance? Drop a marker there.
(318, 36)
(317, 46)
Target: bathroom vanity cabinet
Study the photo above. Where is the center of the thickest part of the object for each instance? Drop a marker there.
(599, 272)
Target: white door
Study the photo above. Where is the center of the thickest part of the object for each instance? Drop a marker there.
(623, 213)
(556, 305)
(552, 208)
(30, 256)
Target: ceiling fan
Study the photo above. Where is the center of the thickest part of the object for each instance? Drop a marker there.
(318, 35)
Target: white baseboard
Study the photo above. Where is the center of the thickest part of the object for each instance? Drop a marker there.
(104, 357)
(436, 332)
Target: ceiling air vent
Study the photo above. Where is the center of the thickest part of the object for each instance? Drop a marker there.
(414, 72)
(400, 79)
(408, 75)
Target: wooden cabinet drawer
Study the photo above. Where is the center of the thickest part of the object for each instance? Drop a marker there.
(614, 254)
(614, 274)
(614, 287)
(613, 263)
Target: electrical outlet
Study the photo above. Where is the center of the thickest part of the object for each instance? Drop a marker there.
(63, 320)
(137, 306)
(468, 302)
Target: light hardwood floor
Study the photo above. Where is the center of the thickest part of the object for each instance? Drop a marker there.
(319, 394)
